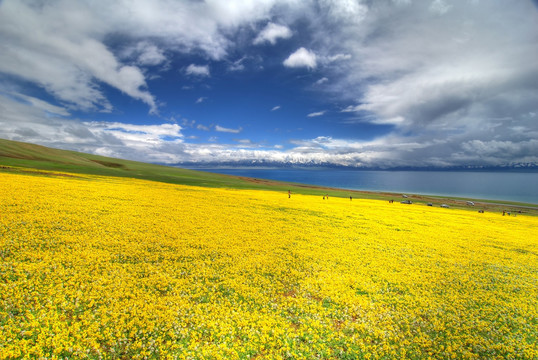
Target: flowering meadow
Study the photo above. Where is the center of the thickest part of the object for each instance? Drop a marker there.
(112, 268)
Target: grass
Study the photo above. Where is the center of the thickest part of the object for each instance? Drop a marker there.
(24, 155)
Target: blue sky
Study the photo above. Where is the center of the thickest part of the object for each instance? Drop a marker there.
(388, 83)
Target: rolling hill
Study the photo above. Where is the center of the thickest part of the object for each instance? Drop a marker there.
(17, 156)
(25, 155)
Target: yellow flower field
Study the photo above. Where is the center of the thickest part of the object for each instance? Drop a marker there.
(108, 268)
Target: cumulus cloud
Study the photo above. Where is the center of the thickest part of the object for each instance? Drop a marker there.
(197, 70)
(165, 143)
(271, 33)
(68, 64)
(464, 82)
(344, 11)
(148, 54)
(301, 58)
(425, 83)
(21, 121)
(61, 45)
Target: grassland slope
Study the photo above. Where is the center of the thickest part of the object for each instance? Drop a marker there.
(16, 155)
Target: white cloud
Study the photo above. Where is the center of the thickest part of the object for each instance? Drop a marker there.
(237, 65)
(149, 54)
(191, 26)
(197, 70)
(70, 63)
(201, 99)
(227, 130)
(396, 63)
(500, 149)
(184, 122)
(61, 45)
(143, 53)
(165, 143)
(351, 108)
(426, 89)
(271, 33)
(301, 58)
(135, 136)
(22, 121)
(338, 57)
(344, 11)
(275, 108)
(319, 113)
(322, 80)
(42, 105)
(202, 127)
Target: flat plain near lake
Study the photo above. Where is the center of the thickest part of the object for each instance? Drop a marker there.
(95, 267)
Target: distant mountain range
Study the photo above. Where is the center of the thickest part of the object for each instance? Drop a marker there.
(275, 164)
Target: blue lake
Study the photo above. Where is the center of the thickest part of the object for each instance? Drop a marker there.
(507, 186)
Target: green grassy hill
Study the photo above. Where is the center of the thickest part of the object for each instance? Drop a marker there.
(16, 156)
(24, 155)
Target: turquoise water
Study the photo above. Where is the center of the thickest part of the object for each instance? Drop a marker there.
(507, 186)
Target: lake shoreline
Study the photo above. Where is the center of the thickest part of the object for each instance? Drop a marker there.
(357, 195)
(519, 188)
(420, 199)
